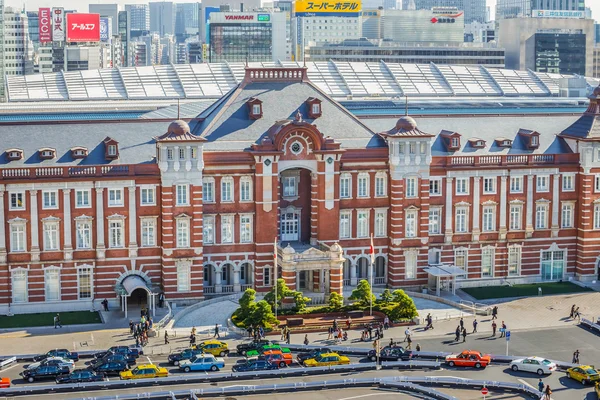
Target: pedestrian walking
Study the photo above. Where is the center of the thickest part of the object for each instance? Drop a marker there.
(166, 338)
(348, 323)
(370, 330)
(462, 323)
(55, 322)
(306, 340)
(541, 386)
(329, 333)
(130, 327)
(58, 321)
(576, 357)
(288, 337)
(547, 393)
(386, 323)
(409, 343)
(418, 347)
(475, 325)
(105, 304)
(457, 333)
(217, 332)
(572, 314)
(161, 300)
(494, 328)
(406, 334)
(503, 330)
(494, 313)
(464, 335)
(576, 314)
(282, 333)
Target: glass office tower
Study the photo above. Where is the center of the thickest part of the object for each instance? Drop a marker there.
(233, 42)
(560, 53)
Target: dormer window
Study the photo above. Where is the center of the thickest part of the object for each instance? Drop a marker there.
(531, 138)
(455, 142)
(111, 148)
(254, 108)
(14, 154)
(451, 139)
(79, 152)
(475, 143)
(47, 153)
(314, 107)
(534, 141)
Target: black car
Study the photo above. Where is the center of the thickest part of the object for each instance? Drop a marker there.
(243, 348)
(64, 353)
(110, 368)
(396, 353)
(114, 357)
(313, 353)
(186, 354)
(81, 375)
(253, 365)
(44, 372)
(129, 351)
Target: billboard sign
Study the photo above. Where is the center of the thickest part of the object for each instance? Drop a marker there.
(264, 17)
(58, 24)
(83, 27)
(104, 29)
(309, 8)
(45, 25)
(558, 14)
(446, 18)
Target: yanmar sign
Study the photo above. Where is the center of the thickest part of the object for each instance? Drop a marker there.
(239, 17)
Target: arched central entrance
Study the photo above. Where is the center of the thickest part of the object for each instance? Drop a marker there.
(137, 293)
(295, 205)
(139, 298)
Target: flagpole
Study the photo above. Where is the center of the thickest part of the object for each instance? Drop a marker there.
(371, 277)
(275, 272)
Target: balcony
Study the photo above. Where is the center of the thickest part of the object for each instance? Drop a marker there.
(504, 160)
(78, 171)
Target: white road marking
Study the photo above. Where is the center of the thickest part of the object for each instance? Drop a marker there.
(6, 369)
(149, 360)
(364, 395)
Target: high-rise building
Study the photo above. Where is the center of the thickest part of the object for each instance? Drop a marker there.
(34, 28)
(1, 50)
(597, 31)
(440, 24)
(524, 8)
(139, 14)
(18, 50)
(107, 10)
(124, 36)
(162, 18)
(186, 21)
(475, 10)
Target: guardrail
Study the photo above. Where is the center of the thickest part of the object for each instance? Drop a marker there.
(590, 324)
(165, 320)
(8, 361)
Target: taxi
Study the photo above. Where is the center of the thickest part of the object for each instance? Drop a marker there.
(214, 347)
(4, 383)
(327, 359)
(468, 358)
(278, 358)
(144, 372)
(584, 374)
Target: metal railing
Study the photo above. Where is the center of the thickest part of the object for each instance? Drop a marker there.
(227, 289)
(379, 280)
(165, 320)
(208, 289)
(346, 282)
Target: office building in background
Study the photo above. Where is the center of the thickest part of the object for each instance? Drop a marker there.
(186, 21)
(18, 49)
(107, 10)
(525, 8)
(162, 18)
(440, 24)
(139, 15)
(477, 32)
(475, 10)
(124, 36)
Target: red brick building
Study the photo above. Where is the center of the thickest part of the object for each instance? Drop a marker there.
(112, 209)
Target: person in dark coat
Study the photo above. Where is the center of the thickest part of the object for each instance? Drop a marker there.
(457, 334)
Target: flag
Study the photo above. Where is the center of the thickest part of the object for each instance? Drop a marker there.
(372, 251)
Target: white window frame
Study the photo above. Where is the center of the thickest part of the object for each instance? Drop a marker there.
(542, 184)
(345, 186)
(52, 284)
(182, 153)
(227, 228)
(116, 233)
(182, 194)
(597, 181)
(488, 254)
(290, 186)
(183, 232)
(489, 185)
(51, 235)
(14, 198)
(245, 189)
(112, 149)
(435, 220)
(49, 199)
(461, 220)
(410, 264)
(412, 187)
(380, 184)
(18, 236)
(597, 216)
(514, 260)
(462, 252)
(316, 108)
(516, 184)
(169, 154)
(267, 276)
(411, 223)
(83, 198)
(148, 196)
(208, 190)
(184, 277)
(345, 224)
(489, 218)
(83, 232)
(208, 229)
(515, 222)
(568, 183)
(567, 215)
(148, 231)
(362, 223)
(435, 186)
(462, 186)
(115, 197)
(363, 183)
(256, 109)
(541, 216)
(20, 275)
(246, 228)
(80, 272)
(380, 223)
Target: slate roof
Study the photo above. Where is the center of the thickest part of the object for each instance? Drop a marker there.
(588, 126)
(227, 126)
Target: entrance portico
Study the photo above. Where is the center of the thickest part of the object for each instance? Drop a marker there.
(437, 272)
(134, 283)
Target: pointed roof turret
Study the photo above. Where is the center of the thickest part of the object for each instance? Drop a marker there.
(587, 127)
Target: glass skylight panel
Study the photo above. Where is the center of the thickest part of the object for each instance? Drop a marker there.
(111, 79)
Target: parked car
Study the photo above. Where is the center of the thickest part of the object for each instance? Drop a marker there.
(327, 359)
(81, 375)
(145, 371)
(301, 357)
(64, 353)
(186, 354)
(202, 362)
(243, 348)
(282, 360)
(214, 347)
(261, 350)
(253, 365)
(44, 372)
(110, 368)
(468, 358)
(4, 383)
(584, 374)
(127, 350)
(114, 357)
(395, 353)
(537, 365)
(53, 361)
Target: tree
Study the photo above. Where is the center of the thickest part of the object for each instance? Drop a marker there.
(261, 315)
(247, 304)
(363, 294)
(300, 301)
(386, 297)
(282, 292)
(336, 301)
(405, 307)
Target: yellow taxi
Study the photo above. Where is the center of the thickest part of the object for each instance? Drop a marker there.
(144, 371)
(584, 374)
(214, 347)
(326, 359)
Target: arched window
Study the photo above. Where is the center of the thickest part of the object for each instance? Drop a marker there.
(380, 267)
(246, 274)
(208, 275)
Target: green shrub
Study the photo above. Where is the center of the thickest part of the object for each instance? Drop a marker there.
(336, 301)
(363, 294)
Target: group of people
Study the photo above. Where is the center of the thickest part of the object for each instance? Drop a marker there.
(373, 329)
(544, 390)
(140, 330)
(286, 334)
(256, 332)
(336, 332)
(575, 312)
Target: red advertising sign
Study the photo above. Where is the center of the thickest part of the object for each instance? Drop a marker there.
(83, 27)
(45, 25)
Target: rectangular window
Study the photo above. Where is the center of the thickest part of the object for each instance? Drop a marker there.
(148, 232)
(597, 182)
(462, 186)
(410, 262)
(226, 228)
(52, 284)
(411, 187)
(489, 185)
(568, 183)
(516, 184)
(289, 186)
(49, 199)
(115, 197)
(84, 283)
(245, 229)
(412, 148)
(362, 226)
(487, 262)
(148, 196)
(411, 223)
(316, 109)
(461, 258)
(115, 228)
(461, 220)
(596, 216)
(489, 218)
(435, 217)
(380, 185)
(82, 198)
(245, 190)
(543, 183)
(515, 217)
(345, 225)
(345, 183)
(17, 237)
(435, 187)
(567, 215)
(363, 186)
(267, 276)
(17, 201)
(208, 191)
(183, 277)
(83, 235)
(514, 261)
(169, 154)
(208, 229)
(380, 223)
(181, 153)
(541, 216)
(182, 195)
(183, 233)
(50, 236)
(19, 286)
(112, 150)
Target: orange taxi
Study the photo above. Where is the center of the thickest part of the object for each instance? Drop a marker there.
(469, 358)
(276, 357)
(4, 383)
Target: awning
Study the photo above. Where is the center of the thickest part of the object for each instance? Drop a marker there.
(133, 282)
(444, 271)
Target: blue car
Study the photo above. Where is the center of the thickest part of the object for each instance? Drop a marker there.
(202, 362)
